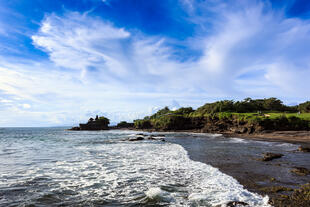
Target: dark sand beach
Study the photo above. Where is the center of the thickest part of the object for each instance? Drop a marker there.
(240, 157)
(298, 137)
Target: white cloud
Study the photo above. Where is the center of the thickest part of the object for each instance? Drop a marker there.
(255, 39)
(26, 106)
(97, 67)
(75, 41)
(5, 101)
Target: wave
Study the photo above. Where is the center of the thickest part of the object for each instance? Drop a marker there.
(130, 174)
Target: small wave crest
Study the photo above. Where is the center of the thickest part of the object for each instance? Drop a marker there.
(237, 140)
(157, 194)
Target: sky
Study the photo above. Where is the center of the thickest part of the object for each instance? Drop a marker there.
(64, 61)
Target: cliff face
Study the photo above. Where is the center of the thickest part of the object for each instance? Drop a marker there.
(217, 125)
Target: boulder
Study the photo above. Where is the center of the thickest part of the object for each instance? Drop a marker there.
(271, 156)
(136, 138)
(304, 149)
(236, 203)
(300, 171)
(161, 138)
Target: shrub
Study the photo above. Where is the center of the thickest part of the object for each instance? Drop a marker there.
(171, 122)
(142, 124)
(125, 124)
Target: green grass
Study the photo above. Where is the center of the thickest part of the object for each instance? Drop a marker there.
(304, 116)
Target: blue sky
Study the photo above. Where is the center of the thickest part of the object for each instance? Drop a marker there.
(63, 61)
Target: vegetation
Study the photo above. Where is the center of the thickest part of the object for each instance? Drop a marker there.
(298, 198)
(304, 107)
(124, 124)
(268, 114)
(103, 120)
(248, 105)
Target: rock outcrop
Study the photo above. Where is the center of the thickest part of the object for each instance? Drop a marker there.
(304, 149)
(99, 123)
(300, 171)
(140, 137)
(271, 156)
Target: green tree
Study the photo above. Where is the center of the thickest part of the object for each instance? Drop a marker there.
(103, 120)
(304, 107)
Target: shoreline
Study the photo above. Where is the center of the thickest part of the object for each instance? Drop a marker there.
(265, 178)
(273, 178)
(293, 137)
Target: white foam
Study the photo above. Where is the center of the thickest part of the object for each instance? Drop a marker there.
(125, 171)
(238, 140)
(288, 146)
(154, 193)
(158, 195)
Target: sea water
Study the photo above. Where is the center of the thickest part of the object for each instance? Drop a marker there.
(56, 167)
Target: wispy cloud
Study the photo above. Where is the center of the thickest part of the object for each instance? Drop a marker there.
(97, 67)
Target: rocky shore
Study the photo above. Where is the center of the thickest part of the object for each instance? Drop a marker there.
(281, 173)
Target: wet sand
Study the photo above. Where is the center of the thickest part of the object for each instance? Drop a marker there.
(297, 137)
(240, 158)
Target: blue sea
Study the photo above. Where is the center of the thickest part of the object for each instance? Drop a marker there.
(56, 167)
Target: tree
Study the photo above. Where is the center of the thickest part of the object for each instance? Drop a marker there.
(273, 104)
(304, 107)
(104, 121)
(160, 112)
(184, 111)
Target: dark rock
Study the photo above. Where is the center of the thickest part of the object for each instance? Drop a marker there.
(236, 203)
(75, 128)
(300, 171)
(244, 130)
(304, 149)
(161, 138)
(93, 125)
(298, 198)
(100, 123)
(271, 156)
(272, 179)
(137, 138)
(275, 189)
(251, 130)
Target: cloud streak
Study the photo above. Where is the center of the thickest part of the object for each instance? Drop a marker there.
(97, 67)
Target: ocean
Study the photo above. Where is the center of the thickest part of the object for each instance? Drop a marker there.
(56, 167)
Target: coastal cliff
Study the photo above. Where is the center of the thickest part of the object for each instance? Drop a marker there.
(250, 116)
(245, 117)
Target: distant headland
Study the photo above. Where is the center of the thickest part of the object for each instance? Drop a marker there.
(101, 123)
(239, 117)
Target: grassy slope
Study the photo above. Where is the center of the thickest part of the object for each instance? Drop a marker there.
(273, 115)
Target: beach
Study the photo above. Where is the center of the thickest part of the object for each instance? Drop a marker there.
(241, 160)
(298, 137)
